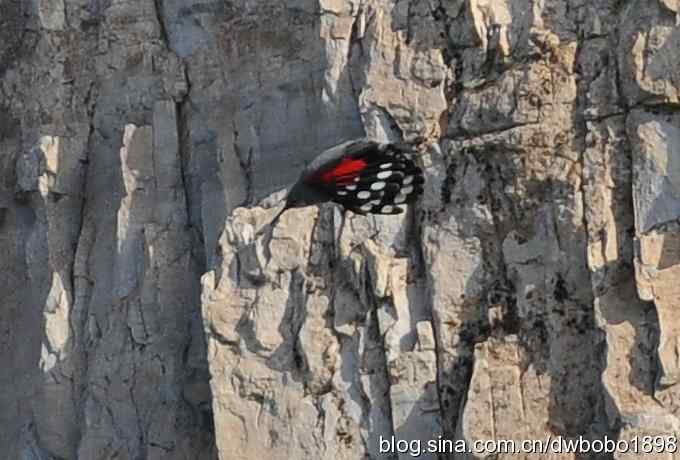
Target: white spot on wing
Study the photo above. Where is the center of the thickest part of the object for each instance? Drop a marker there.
(363, 194)
(384, 174)
(378, 186)
(385, 165)
(342, 192)
(387, 209)
(375, 202)
(406, 190)
(367, 207)
(408, 180)
(399, 199)
(351, 187)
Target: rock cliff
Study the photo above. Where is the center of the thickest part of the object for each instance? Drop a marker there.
(530, 293)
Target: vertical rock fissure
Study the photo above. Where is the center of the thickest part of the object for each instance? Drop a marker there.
(598, 426)
(158, 5)
(245, 161)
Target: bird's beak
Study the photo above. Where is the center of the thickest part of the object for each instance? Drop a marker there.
(272, 223)
(278, 215)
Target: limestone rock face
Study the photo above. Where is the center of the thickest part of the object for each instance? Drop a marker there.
(531, 293)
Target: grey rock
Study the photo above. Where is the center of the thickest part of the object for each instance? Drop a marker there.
(531, 292)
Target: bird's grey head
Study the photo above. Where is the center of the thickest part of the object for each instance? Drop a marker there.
(301, 195)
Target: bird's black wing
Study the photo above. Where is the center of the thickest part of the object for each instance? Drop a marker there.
(367, 177)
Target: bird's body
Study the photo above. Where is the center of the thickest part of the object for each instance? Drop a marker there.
(360, 175)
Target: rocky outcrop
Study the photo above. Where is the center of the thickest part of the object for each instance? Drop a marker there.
(530, 293)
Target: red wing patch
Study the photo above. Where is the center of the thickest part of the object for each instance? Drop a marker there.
(344, 172)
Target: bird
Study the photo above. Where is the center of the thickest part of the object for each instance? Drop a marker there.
(362, 176)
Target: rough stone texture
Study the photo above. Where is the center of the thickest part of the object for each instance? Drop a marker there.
(532, 292)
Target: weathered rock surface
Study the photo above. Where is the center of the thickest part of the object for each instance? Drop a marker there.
(533, 291)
